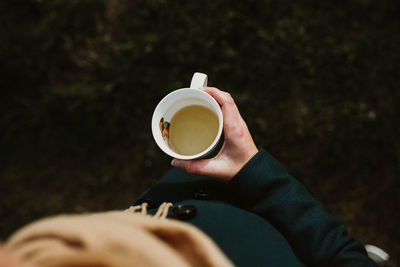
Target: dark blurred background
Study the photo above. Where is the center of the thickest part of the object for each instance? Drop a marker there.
(316, 81)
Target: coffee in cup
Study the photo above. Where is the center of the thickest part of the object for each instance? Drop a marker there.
(187, 123)
(192, 129)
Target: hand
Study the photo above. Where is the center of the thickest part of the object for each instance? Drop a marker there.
(238, 147)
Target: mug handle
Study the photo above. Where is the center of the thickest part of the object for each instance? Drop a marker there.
(199, 80)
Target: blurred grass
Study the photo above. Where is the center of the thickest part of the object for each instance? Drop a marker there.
(316, 82)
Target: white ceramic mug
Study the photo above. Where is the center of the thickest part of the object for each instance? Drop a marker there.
(177, 100)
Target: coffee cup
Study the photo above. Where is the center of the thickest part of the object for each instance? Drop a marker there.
(187, 123)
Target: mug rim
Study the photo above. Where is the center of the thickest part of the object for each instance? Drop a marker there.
(169, 151)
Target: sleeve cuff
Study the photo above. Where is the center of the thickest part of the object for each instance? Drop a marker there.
(249, 183)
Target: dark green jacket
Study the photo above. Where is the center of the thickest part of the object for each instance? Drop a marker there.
(262, 217)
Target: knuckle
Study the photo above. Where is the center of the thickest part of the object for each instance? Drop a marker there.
(229, 98)
(238, 132)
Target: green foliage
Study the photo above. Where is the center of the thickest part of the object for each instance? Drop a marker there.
(315, 81)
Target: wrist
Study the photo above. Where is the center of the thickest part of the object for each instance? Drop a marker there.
(238, 162)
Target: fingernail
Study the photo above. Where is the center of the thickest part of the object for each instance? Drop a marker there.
(174, 163)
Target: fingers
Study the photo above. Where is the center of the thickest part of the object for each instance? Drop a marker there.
(225, 100)
(219, 95)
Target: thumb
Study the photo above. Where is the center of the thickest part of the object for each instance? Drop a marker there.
(207, 167)
(198, 166)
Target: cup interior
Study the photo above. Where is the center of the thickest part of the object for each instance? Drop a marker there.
(172, 103)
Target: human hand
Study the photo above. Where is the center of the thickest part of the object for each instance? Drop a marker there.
(238, 147)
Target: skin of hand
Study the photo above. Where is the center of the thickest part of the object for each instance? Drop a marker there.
(238, 147)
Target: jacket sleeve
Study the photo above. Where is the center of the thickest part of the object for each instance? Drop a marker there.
(318, 238)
